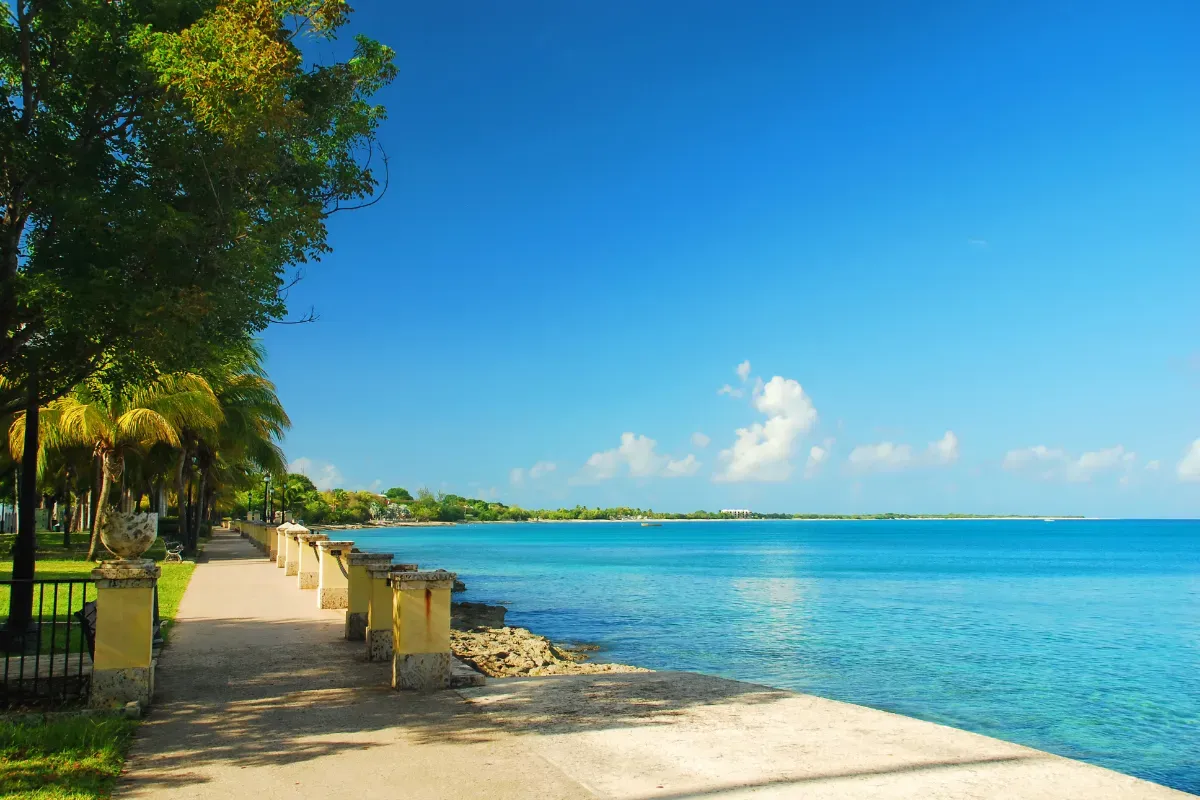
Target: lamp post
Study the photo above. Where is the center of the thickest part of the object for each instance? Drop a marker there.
(266, 497)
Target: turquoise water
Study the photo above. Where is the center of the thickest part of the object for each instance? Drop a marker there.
(1077, 637)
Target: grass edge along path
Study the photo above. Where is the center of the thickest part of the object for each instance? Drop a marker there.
(75, 756)
(67, 757)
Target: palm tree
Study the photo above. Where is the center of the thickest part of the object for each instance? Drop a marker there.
(117, 421)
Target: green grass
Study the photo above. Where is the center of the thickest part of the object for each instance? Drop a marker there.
(49, 545)
(72, 758)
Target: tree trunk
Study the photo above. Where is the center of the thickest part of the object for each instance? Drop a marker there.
(112, 467)
(20, 613)
(199, 506)
(179, 492)
(67, 520)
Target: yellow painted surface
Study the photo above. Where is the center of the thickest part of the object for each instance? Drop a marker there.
(422, 619)
(359, 589)
(293, 549)
(331, 576)
(281, 542)
(379, 608)
(307, 557)
(124, 627)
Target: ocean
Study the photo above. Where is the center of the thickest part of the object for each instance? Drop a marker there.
(1081, 638)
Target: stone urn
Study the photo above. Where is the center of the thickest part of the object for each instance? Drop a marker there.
(127, 535)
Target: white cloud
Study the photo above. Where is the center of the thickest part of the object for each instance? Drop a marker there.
(541, 468)
(324, 475)
(517, 475)
(1153, 466)
(944, 450)
(817, 455)
(1188, 469)
(889, 456)
(743, 370)
(640, 456)
(488, 494)
(682, 467)
(700, 440)
(729, 390)
(1055, 464)
(881, 456)
(763, 451)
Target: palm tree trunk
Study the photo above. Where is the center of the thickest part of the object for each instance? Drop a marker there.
(200, 503)
(179, 489)
(68, 517)
(112, 467)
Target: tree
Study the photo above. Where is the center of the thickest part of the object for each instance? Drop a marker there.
(114, 422)
(162, 167)
(398, 495)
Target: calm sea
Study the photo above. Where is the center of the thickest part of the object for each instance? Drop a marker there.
(1077, 637)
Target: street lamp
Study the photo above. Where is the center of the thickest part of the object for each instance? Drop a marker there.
(267, 498)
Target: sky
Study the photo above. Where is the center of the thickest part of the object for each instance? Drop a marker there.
(836, 257)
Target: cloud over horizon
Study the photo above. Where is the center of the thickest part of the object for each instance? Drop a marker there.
(1056, 464)
(325, 476)
(890, 457)
(763, 451)
(640, 457)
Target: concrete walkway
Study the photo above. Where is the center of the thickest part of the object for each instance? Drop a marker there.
(259, 696)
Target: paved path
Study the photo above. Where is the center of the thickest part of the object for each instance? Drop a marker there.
(258, 696)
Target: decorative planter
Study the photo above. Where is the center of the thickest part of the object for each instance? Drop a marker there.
(127, 535)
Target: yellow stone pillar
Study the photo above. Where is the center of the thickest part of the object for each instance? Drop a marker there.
(281, 546)
(421, 629)
(308, 570)
(272, 542)
(358, 591)
(332, 573)
(123, 666)
(291, 562)
(379, 613)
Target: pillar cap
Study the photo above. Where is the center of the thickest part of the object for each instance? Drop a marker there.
(367, 559)
(379, 569)
(126, 574)
(312, 537)
(331, 543)
(291, 528)
(427, 576)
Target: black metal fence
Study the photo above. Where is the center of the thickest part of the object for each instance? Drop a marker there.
(49, 659)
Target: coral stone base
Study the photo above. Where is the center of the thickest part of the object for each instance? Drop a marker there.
(356, 626)
(309, 580)
(423, 672)
(291, 567)
(113, 688)
(333, 598)
(379, 645)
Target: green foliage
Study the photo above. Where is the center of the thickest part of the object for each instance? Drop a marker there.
(398, 495)
(162, 167)
(73, 758)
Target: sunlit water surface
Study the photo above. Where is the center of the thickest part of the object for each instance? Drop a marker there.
(1077, 637)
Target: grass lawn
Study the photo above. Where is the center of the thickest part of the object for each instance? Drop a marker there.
(69, 758)
(72, 758)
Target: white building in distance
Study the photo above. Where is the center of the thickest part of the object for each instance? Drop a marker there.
(739, 513)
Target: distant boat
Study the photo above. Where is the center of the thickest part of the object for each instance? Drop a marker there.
(651, 524)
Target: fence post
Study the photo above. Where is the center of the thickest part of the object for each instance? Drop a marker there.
(307, 568)
(358, 591)
(421, 629)
(379, 614)
(123, 666)
(332, 578)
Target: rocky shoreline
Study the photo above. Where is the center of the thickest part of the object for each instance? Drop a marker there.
(479, 637)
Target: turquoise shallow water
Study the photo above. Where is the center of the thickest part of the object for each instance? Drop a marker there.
(1077, 637)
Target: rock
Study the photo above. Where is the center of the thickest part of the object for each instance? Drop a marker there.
(504, 651)
(459, 586)
(465, 616)
(132, 710)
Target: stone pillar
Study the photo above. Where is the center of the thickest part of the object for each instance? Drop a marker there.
(292, 551)
(281, 540)
(332, 575)
(308, 570)
(123, 667)
(421, 629)
(379, 614)
(358, 591)
(272, 541)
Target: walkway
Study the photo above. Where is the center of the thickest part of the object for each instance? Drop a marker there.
(258, 696)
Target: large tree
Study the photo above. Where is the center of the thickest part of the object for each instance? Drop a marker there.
(163, 166)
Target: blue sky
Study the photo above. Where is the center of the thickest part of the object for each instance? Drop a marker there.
(976, 218)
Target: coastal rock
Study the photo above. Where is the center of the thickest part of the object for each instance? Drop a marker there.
(466, 616)
(506, 652)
